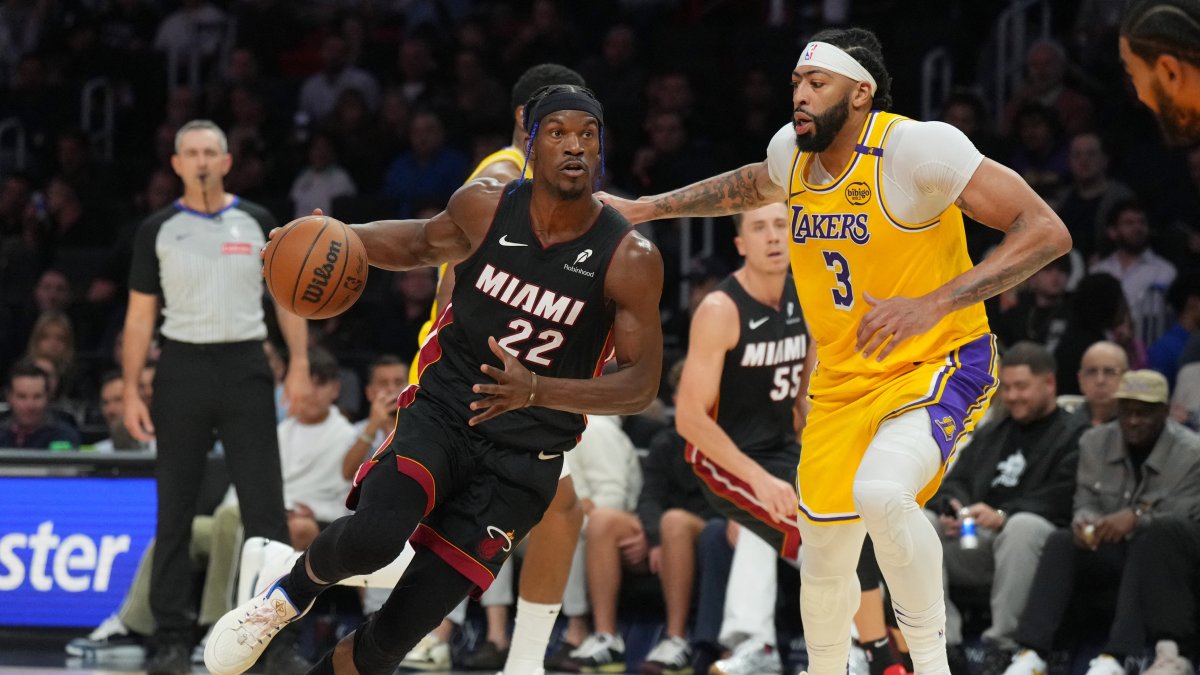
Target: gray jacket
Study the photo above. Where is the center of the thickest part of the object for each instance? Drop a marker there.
(1170, 481)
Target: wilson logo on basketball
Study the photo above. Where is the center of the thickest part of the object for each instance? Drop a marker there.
(321, 273)
(858, 193)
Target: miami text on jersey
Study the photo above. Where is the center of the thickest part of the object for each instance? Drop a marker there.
(775, 352)
(527, 297)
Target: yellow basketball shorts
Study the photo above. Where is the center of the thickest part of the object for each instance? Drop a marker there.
(955, 392)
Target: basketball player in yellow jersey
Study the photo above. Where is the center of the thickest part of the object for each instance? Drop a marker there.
(905, 362)
(552, 541)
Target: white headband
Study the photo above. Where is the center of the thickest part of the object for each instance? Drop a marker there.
(829, 57)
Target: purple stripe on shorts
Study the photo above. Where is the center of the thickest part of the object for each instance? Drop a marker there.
(968, 384)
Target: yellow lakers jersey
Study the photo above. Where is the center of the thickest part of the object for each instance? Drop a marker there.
(845, 243)
(505, 154)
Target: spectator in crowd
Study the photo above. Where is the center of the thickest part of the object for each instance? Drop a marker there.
(1098, 311)
(1183, 296)
(427, 173)
(112, 409)
(1046, 85)
(322, 181)
(416, 70)
(15, 192)
(197, 28)
(1100, 371)
(386, 377)
(1015, 479)
(1135, 477)
(1086, 203)
(479, 102)
(1040, 314)
(966, 111)
(1144, 275)
(609, 483)
(1040, 155)
(619, 80)
(362, 144)
(320, 91)
(670, 158)
(30, 424)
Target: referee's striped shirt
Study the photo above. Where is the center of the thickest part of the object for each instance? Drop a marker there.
(206, 268)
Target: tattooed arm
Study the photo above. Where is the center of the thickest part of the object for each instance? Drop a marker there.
(732, 192)
(1033, 236)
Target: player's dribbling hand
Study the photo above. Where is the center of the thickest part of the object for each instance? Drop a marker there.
(892, 321)
(777, 496)
(513, 388)
(275, 232)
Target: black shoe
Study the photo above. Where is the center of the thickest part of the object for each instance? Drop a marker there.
(996, 659)
(560, 660)
(704, 655)
(487, 657)
(282, 659)
(170, 658)
(959, 663)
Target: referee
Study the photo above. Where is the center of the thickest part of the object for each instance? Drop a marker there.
(201, 255)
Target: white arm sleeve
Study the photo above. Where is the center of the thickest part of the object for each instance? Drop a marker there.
(925, 167)
(780, 152)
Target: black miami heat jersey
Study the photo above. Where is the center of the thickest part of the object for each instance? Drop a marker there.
(761, 376)
(546, 305)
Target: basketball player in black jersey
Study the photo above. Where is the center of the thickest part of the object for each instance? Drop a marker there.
(551, 283)
(741, 403)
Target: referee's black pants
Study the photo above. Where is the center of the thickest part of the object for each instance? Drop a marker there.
(199, 390)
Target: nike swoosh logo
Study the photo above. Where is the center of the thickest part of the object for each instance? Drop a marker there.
(755, 323)
(543, 455)
(505, 242)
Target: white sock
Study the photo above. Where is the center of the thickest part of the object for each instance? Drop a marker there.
(531, 634)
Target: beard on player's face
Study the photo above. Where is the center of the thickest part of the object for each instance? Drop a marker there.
(825, 126)
(1180, 125)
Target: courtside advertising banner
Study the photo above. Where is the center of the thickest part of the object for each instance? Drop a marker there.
(69, 547)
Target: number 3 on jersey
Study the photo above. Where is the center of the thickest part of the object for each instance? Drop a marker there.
(551, 340)
(843, 293)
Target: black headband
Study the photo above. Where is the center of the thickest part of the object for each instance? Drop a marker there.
(563, 100)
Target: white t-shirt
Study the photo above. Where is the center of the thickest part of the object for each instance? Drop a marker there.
(310, 457)
(926, 165)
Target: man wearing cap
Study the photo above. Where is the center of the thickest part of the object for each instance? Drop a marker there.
(551, 284)
(1137, 475)
(907, 364)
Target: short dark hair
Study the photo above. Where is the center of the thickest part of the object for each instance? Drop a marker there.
(865, 47)
(539, 76)
(1027, 353)
(322, 366)
(383, 360)
(1156, 27)
(1115, 211)
(27, 367)
(109, 376)
(1185, 286)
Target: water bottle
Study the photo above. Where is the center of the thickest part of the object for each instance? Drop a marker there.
(966, 534)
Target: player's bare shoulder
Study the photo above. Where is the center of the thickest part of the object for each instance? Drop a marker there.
(473, 206)
(636, 261)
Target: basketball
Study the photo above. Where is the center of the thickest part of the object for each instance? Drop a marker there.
(316, 267)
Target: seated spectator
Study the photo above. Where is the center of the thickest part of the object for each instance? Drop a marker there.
(319, 93)
(1144, 275)
(1136, 476)
(112, 409)
(30, 424)
(53, 338)
(1015, 479)
(322, 181)
(429, 172)
(1100, 372)
(1040, 154)
(1097, 311)
(1086, 203)
(1046, 84)
(608, 481)
(1040, 314)
(386, 377)
(1183, 296)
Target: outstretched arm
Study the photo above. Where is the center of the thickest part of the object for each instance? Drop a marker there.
(634, 285)
(449, 236)
(1033, 236)
(732, 192)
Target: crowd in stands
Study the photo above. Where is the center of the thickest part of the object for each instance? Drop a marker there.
(373, 110)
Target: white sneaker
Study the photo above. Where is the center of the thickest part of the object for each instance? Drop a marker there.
(1105, 665)
(601, 653)
(750, 658)
(241, 636)
(112, 639)
(430, 654)
(1167, 660)
(671, 656)
(1026, 662)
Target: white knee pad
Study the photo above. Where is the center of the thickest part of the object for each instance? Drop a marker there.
(834, 601)
(884, 506)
